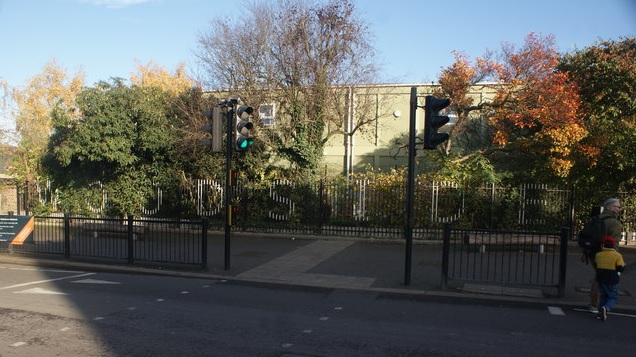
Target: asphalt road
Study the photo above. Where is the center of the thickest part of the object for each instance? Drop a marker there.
(53, 312)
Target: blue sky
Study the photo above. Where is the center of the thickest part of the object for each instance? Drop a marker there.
(414, 38)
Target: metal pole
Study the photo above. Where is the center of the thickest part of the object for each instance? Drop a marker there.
(131, 245)
(204, 243)
(67, 236)
(445, 253)
(563, 260)
(410, 190)
(228, 194)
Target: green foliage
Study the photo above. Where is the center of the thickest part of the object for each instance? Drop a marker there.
(190, 158)
(43, 209)
(606, 76)
(123, 140)
(279, 203)
(84, 201)
(383, 196)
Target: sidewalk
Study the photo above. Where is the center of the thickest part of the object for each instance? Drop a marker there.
(379, 266)
(368, 265)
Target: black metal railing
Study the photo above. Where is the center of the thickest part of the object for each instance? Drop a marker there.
(132, 241)
(505, 257)
(375, 208)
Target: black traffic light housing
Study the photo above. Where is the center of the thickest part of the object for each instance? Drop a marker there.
(243, 134)
(433, 121)
(213, 126)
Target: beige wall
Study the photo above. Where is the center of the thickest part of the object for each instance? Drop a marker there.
(375, 146)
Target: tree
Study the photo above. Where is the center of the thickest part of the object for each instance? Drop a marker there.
(534, 116)
(187, 105)
(153, 75)
(537, 111)
(122, 138)
(52, 88)
(456, 82)
(192, 160)
(605, 74)
(301, 56)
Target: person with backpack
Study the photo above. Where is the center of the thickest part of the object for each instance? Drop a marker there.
(609, 264)
(605, 223)
(610, 216)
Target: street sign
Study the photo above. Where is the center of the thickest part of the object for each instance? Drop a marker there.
(16, 229)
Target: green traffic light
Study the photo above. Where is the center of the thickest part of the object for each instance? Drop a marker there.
(244, 143)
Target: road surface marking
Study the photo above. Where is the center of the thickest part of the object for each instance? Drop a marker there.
(39, 291)
(555, 310)
(94, 281)
(609, 313)
(45, 281)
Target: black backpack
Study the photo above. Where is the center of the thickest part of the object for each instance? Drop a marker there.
(591, 234)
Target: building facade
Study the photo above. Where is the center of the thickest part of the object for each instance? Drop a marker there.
(380, 144)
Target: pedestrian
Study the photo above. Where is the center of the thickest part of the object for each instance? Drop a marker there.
(609, 265)
(610, 215)
(612, 226)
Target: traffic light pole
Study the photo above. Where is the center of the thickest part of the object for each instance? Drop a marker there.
(432, 121)
(228, 183)
(410, 190)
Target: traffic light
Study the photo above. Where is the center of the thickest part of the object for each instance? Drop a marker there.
(214, 127)
(243, 135)
(232, 212)
(434, 121)
(233, 178)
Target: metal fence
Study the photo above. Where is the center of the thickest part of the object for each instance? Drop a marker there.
(369, 209)
(505, 257)
(131, 241)
(375, 208)
(507, 234)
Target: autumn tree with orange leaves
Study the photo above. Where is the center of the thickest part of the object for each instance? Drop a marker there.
(456, 82)
(536, 110)
(532, 122)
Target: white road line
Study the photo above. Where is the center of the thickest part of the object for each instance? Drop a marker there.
(620, 314)
(40, 291)
(94, 281)
(40, 269)
(44, 281)
(555, 310)
(609, 313)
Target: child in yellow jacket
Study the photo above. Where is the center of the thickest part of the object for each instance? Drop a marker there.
(609, 264)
